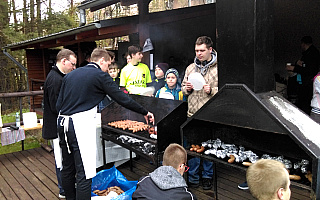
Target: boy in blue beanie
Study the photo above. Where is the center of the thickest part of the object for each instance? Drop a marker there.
(172, 86)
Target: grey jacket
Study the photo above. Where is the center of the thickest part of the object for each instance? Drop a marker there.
(163, 183)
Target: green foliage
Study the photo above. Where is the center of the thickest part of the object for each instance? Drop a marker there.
(51, 22)
(12, 35)
(57, 21)
(3, 14)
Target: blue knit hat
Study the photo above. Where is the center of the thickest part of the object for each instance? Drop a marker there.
(174, 71)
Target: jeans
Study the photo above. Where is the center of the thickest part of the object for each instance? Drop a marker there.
(194, 164)
(58, 173)
(104, 103)
(72, 167)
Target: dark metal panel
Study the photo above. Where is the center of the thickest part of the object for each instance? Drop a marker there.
(245, 43)
(237, 105)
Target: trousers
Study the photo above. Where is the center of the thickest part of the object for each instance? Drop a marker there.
(72, 172)
(194, 164)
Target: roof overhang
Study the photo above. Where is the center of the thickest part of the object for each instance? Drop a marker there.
(110, 28)
(96, 4)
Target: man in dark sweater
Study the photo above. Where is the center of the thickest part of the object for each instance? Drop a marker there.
(166, 182)
(65, 62)
(80, 93)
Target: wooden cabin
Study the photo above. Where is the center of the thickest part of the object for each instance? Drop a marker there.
(254, 39)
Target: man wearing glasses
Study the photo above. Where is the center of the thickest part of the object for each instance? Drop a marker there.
(65, 62)
(166, 182)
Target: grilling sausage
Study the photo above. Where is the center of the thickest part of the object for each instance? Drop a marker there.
(247, 164)
(294, 177)
(232, 158)
(200, 150)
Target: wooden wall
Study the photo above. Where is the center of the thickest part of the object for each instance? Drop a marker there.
(39, 63)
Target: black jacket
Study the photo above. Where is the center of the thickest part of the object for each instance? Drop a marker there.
(51, 92)
(311, 59)
(83, 88)
(158, 84)
(163, 183)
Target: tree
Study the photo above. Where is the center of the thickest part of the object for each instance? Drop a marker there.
(39, 17)
(32, 23)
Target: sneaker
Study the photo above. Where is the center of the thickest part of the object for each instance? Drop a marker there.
(243, 186)
(62, 196)
(193, 185)
(206, 183)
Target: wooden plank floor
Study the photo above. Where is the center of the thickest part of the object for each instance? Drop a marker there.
(30, 174)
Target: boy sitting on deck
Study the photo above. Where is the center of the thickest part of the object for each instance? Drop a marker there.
(166, 182)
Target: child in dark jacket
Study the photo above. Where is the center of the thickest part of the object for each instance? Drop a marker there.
(114, 72)
(166, 182)
(172, 86)
(159, 82)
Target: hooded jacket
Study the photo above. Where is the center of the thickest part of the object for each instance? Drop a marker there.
(196, 99)
(163, 183)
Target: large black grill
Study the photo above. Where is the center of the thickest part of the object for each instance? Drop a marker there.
(265, 123)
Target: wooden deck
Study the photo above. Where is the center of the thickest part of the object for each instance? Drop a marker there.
(30, 174)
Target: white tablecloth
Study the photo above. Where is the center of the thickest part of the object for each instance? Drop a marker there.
(9, 136)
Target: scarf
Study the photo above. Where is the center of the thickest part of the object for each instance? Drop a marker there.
(203, 69)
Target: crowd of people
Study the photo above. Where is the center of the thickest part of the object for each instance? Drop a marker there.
(70, 97)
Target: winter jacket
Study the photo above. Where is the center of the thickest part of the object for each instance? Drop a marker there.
(176, 92)
(196, 99)
(163, 183)
(158, 84)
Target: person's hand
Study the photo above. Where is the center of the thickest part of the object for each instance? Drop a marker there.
(207, 88)
(189, 86)
(289, 68)
(300, 63)
(149, 118)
